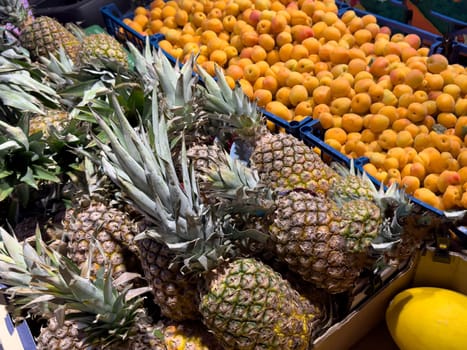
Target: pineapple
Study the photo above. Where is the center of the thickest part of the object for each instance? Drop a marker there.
(60, 336)
(283, 162)
(52, 118)
(187, 335)
(242, 301)
(324, 240)
(40, 279)
(93, 217)
(41, 35)
(94, 47)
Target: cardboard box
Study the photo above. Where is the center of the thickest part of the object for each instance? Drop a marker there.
(365, 327)
(11, 337)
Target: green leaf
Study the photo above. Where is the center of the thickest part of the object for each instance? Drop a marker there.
(41, 173)
(28, 178)
(5, 173)
(13, 247)
(5, 191)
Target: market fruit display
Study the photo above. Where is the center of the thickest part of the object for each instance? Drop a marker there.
(428, 318)
(167, 212)
(379, 95)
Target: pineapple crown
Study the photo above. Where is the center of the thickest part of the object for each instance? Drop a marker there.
(21, 89)
(14, 12)
(236, 187)
(238, 115)
(139, 161)
(40, 279)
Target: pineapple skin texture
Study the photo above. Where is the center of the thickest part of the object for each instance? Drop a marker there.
(176, 294)
(56, 337)
(247, 305)
(45, 35)
(314, 238)
(285, 163)
(99, 45)
(112, 228)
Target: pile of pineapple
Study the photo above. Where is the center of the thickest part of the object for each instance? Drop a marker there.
(169, 237)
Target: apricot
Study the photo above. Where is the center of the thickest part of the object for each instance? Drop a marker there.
(322, 95)
(404, 139)
(298, 93)
(400, 154)
(360, 103)
(445, 102)
(427, 196)
(337, 134)
(410, 184)
(304, 108)
(447, 178)
(279, 109)
(387, 139)
(326, 120)
(436, 63)
(417, 170)
(430, 182)
(378, 123)
(262, 96)
(416, 112)
(283, 95)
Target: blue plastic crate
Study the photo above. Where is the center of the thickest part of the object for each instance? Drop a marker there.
(13, 336)
(113, 20)
(312, 133)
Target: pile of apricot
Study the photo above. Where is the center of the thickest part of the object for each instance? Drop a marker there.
(378, 94)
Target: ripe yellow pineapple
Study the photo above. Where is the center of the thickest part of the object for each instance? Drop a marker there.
(41, 35)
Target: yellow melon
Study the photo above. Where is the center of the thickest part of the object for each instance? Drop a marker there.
(428, 318)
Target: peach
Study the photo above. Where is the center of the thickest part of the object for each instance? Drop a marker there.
(376, 92)
(434, 81)
(336, 133)
(282, 95)
(398, 75)
(414, 40)
(262, 96)
(404, 139)
(389, 99)
(352, 123)
(400, 154)
(251, 72)
(460, 107)
(461, 126)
